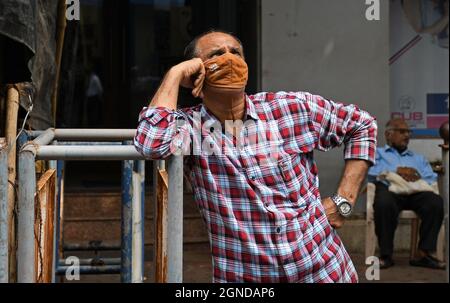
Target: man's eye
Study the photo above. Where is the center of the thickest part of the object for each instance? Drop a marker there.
(219, 53)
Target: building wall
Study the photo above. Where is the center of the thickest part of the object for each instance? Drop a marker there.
(328, 48)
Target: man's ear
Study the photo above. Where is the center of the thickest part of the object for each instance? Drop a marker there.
(387, 135)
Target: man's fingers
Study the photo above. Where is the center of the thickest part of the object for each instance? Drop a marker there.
(198, 85)
(191, 71)
(336, 222)
(199, 81)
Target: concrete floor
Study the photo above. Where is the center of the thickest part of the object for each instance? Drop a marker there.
(197, 269)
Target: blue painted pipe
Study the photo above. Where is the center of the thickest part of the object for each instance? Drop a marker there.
(59, 194)
(126, 224)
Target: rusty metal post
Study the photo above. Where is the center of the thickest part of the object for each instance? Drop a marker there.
(12, 107)
(160, 199)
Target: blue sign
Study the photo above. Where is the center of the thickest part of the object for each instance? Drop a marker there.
(437, 104)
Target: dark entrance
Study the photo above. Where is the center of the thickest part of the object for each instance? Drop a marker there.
(120, 50)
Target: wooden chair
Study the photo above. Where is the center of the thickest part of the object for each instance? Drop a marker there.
(371, 238)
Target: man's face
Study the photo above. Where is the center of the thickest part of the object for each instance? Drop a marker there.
(217, 44)
(398, 135)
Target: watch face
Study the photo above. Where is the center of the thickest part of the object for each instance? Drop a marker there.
(345, 208)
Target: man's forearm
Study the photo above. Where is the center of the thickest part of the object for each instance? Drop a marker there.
(355, 173)
(167, 94)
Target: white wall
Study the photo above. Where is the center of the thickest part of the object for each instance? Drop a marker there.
(331, 49)
(430, 148)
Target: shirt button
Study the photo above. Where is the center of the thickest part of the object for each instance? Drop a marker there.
(278, 230)
(266, 205)
(252, 177)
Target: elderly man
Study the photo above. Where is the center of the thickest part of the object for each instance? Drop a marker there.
(256, 182)
(412, 167)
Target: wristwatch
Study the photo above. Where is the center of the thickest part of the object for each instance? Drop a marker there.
(344, 207)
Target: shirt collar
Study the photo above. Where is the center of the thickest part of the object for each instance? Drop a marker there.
(407, 152)
(250, 109)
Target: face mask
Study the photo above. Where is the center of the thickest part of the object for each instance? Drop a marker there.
(226, 71)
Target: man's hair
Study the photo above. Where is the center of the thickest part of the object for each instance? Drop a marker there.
(391, 123)
(190, 52)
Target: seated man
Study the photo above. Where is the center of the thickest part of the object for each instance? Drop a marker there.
(395, 157)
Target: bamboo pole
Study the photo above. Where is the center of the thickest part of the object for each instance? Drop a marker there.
(12, 109)
(59, 49)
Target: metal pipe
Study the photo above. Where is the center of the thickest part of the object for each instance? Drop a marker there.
(94, 261)
(54, 165)
(91, 270)
(100, 246)
(155, 214)
(86, 143)
(445, 196)
(32, 134)
(141, 170)
(126, 224)
(95, 134)
(27, 191)
(58, 213)
(175, 220)
(88, 153)
(89, 134)
(45, 138)
(138, 199)
(4, 238)
(444, 133)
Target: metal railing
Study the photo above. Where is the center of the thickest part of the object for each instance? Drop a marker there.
(59, 145)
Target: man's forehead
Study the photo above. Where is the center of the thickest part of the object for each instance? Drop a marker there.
(217, 40)
(399, 124)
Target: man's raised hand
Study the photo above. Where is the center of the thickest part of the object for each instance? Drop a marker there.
(192, 75)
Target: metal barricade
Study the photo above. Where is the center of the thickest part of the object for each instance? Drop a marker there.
(59, 145)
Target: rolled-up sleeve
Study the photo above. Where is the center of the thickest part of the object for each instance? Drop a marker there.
(162, 132)
(336, 124)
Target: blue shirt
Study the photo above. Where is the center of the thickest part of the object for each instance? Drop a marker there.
(388, 159)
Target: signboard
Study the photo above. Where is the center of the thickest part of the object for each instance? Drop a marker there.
(419, 64)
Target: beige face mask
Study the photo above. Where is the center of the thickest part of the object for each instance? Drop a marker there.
(226, 71)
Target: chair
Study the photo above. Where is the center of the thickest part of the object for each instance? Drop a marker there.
(371, 238)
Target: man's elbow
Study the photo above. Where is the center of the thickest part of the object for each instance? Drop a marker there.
(153, 151)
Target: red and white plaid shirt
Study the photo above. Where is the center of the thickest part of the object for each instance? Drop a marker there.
(262, 206)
